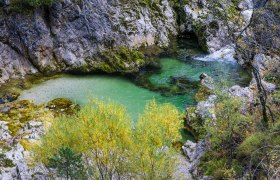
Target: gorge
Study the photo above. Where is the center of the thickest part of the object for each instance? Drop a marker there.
(108, 86)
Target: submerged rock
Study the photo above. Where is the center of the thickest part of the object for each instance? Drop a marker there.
(8, 98)
(181, 82)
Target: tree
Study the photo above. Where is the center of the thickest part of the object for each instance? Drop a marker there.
(111, 145)
(68, 164)
(156, 129)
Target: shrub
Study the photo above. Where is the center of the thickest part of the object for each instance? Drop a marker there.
(111, 145)
(68, 164)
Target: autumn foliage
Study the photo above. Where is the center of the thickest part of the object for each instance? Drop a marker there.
(112, 146)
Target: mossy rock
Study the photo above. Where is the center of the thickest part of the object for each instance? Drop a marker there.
(5, 146)
(14, 127)
(18, 113)
(5, 162)
(120, 60)
(193, 123)
(202, 94)
(62, 106)
(22, 111)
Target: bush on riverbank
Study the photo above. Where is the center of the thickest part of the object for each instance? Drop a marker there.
(111, 145)
(240, 147)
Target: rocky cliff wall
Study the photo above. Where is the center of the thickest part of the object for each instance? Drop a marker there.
(68, 35)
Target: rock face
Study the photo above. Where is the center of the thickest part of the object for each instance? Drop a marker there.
(262, 50)
(193, 152)
(23, 123)
(68, 35)
(211, 30)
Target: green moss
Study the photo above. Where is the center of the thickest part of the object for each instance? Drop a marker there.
(200, 31)
(26, 144)
(25, 6)
(4, 146)
(23, 111)
(119, 60)
(18, 113)
(202, 94)
(5, 162)
(194, 123)
(62, 106)
(14, 127)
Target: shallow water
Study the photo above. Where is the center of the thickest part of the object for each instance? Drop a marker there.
(125, 92)
(117, 89)
(228, 72)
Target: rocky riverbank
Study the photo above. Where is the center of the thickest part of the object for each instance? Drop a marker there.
(23, 123)
(92, 36)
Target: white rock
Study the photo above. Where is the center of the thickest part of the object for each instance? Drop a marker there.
(4, 131)
(245, 92)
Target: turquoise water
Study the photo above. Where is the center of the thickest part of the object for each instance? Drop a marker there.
(228, 72)
(117, 89)
(125, 92)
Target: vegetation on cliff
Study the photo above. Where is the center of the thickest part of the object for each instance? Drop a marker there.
(240, 146)
(244, 137)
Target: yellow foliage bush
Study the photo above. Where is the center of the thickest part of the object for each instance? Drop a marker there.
(112, 145)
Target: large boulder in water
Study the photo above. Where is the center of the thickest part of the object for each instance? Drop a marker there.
(207, 81)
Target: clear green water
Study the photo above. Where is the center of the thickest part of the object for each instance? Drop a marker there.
(117, 89)
(229, 73)
(125, 92)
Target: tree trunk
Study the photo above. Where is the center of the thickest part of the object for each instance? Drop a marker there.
(262, 97)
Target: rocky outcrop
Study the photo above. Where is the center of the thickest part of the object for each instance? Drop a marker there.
(206, 19)
(69, 35)
(262, 48)
(23, 123)
(193, 152)
(206, 81)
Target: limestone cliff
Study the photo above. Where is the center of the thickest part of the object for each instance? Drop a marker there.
(68, 35)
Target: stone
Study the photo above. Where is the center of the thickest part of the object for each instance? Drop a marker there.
(269, 87)
(206, 110)
(243, 92)
(4, 131)
(193, 152)
(206, 81)
(67, 35)
(211, 31)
